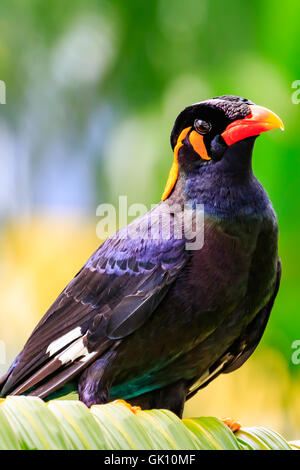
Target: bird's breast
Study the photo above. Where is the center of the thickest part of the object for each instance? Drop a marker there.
(218, 272)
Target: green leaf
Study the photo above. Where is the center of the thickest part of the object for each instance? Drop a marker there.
(30, 423)
(166, 430)
(122, 429)
(295, 445)
(80, 428)
(259, 438)
(211, 433)
(8, 439)
(34, 425)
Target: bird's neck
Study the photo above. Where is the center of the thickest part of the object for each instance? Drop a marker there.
(225, 188)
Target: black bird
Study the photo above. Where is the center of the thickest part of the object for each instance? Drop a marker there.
(149, 318)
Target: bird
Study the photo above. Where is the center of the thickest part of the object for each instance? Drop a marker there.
(152, 317)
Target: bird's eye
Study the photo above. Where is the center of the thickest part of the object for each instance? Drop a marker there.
(203, 127)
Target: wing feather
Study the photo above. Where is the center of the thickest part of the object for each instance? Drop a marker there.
(114, 293)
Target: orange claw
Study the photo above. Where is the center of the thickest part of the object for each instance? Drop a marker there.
(134, 409)
(233, 425)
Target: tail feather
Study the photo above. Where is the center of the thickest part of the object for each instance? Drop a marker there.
(5, 377)
(59, 380)
(56, 372)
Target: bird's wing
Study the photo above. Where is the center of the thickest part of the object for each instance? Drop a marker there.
(112, 295)
(244, 346)
(254, 332)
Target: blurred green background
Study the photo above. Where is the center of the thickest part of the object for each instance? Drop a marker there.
(93, 89)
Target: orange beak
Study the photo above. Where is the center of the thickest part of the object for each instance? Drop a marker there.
(259, 120)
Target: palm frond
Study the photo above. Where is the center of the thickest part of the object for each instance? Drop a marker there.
(30, 423)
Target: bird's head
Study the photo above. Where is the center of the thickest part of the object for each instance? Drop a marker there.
(222, 128)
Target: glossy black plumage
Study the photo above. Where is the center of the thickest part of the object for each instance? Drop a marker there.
(148, 320)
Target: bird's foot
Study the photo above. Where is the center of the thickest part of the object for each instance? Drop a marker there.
(134, 409)
(233, 425)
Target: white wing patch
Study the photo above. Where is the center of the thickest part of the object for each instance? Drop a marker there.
(63, 341)
(73, 352)
(87, 357)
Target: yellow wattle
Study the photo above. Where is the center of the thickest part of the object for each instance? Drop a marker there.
(173, 175)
